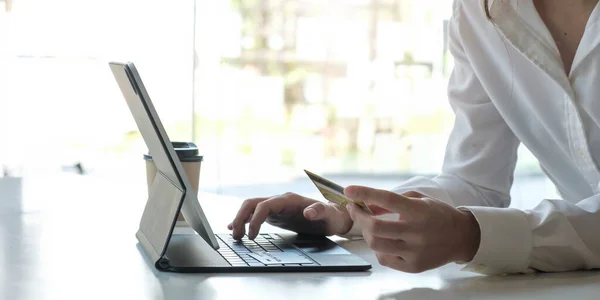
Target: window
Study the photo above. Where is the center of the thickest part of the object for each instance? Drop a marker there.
(334, 86)
(266, 88)
(59, 104)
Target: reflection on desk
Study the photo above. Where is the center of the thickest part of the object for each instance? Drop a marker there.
(73, 237)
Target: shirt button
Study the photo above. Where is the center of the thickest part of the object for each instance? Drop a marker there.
(581, 154)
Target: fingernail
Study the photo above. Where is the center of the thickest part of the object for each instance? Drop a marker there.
(311, 213)
(350, 192)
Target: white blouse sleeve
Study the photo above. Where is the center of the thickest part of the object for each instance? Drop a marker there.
(482, 150)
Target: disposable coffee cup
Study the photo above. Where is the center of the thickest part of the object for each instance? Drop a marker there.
(189, 158)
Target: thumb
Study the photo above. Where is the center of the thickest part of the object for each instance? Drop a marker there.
(315, 211)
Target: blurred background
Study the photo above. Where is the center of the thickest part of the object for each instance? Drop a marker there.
(351, 89)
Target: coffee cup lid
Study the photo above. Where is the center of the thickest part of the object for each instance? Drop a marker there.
(187, 152)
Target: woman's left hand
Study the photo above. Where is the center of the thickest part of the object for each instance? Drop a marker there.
(428, 233)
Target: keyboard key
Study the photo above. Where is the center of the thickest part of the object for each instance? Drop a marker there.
(232, 258)
(238, 248)
(236, 262)
(230, 254)
(240, 264)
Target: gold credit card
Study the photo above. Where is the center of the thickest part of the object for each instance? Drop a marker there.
(334, 192)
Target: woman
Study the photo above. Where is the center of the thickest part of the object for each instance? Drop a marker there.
(525, 72)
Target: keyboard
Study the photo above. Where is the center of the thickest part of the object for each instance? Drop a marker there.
(265, 250)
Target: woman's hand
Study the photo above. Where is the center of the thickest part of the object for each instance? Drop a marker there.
(428, 234)
(292, 212)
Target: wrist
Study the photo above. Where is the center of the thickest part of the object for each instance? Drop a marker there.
(347, 222)
(347, 228)
(469, 237)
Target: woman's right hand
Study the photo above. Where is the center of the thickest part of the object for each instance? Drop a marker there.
(292, 212)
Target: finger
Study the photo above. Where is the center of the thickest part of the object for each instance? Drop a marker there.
(243, 215)
(315, 211)
(263, 209)
(382, 198)
(377, 227)
(378, 210)
(230, 225)
(386, 246)
(393, 261)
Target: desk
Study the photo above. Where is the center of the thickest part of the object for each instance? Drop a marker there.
(72, 237)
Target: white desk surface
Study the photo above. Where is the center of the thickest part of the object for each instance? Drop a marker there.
(73, 238)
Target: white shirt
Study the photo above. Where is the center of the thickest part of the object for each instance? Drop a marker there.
(508, 87)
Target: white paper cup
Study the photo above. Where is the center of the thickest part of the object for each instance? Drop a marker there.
(191, 161)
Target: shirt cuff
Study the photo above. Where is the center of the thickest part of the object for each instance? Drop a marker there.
(506, 241)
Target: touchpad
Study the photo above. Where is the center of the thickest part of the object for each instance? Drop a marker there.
(322, 247)
(315, 244)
